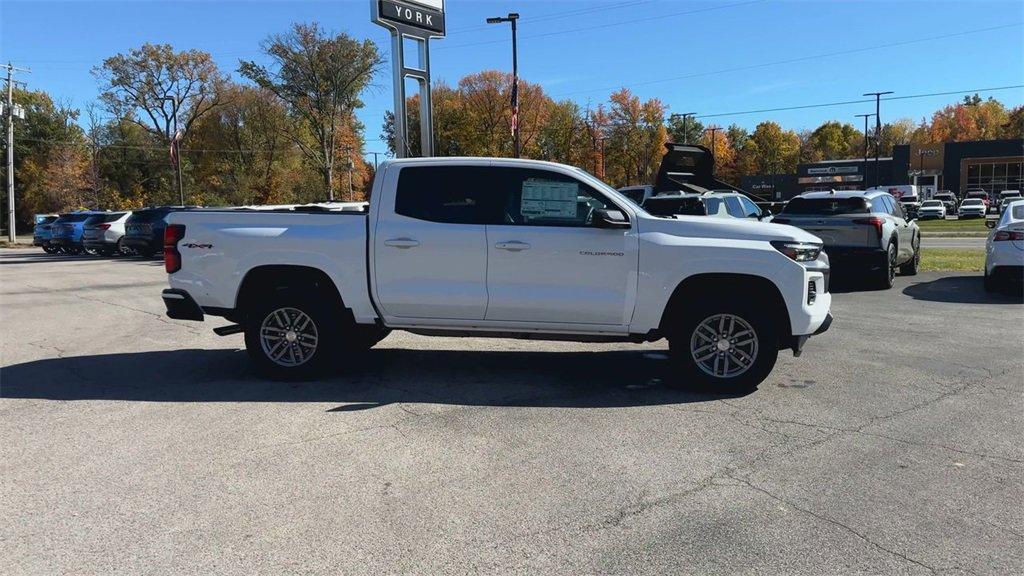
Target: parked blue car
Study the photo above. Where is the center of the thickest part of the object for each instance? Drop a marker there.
(67, 232)
(42, 233)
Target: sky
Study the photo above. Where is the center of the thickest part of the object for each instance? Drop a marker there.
(712, 58)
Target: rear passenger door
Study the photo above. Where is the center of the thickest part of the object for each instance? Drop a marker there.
(904, 233)
(547, 262)
(430, 245)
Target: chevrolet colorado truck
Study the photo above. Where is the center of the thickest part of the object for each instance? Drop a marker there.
(503, 248)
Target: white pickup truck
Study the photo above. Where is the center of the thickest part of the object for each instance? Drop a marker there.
(504, 248)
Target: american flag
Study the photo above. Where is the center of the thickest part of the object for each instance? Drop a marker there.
(515, 106)
(175, 144)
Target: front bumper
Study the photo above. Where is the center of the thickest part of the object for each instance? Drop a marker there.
(799, 341)
(40, 241)
(180, 305)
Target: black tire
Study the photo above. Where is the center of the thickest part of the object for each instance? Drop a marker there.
(73, 250)
(911, 267)
(145, 252)
(689, 340)
(105, 252)
(309, 346)
(990, 283)
(123, 250)
(50, 249)
(886, 274)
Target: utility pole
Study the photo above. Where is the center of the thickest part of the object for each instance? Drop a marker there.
(375, 154)
(713, 130)
(684, 116)
(878, 128)
(512, 18)
(865, 117)
(10, 148)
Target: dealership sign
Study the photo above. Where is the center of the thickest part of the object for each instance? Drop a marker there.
(416, 15)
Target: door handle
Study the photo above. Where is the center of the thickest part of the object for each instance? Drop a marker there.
(514, 246)
(402, 243)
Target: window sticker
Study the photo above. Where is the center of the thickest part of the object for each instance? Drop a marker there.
(548, 199)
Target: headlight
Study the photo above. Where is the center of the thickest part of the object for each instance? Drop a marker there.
(798, 251)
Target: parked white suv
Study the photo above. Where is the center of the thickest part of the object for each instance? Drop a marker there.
(500, 247)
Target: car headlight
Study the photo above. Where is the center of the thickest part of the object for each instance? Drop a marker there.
(798, 251)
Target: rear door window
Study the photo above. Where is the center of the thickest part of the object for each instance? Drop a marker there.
(716, 207)
(449, 194)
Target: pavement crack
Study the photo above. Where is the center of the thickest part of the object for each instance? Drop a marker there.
(833, 522)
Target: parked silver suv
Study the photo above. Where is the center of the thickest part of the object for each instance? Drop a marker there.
(861, 231)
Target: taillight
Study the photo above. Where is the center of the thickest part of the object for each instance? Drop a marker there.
(1004, 235)
(172, 258)
(873, 221)
(102, 226)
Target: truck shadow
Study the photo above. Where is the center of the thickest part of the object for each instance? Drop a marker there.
(960, 290)
(380, 377)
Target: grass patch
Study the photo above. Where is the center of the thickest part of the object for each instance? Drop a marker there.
(972, 226)
(953, 259)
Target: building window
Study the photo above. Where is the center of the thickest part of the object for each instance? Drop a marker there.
(994, 177)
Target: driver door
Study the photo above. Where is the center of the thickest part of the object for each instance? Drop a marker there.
(546, 262)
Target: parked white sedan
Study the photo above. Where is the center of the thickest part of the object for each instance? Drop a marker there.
(1004, 250)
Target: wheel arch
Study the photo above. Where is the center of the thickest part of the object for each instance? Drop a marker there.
(751, 287)
(264, 280)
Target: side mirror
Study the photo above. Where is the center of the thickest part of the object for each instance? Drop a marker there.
(990, 223)
(604, 218)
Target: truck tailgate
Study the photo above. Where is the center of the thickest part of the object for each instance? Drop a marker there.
(837, 231)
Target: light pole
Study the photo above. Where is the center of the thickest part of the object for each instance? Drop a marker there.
(511, 18)
(713, 130)
(176, 150)
(684, 116)
(878, 128)
(865, 117)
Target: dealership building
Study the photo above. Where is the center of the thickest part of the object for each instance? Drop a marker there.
(990, 165)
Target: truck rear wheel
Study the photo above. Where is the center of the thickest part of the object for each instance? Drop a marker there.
(291, 335)
(886, 274)
(723, 347)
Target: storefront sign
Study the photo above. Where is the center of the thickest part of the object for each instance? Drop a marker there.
(827, 179)
(832, 170)
(927, 156)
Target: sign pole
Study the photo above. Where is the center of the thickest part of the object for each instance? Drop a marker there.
(419, 21)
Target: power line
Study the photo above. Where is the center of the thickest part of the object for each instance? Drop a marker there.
(558, 15)
(868, 100)
(602, 26)
(792, 60)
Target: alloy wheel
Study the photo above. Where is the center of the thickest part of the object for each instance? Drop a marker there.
(724, 346)
(288, 337)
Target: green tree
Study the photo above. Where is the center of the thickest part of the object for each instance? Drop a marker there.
(319, 78)
(834, 140)
(692, 133)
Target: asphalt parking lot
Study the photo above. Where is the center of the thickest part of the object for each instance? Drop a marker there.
(131, 443)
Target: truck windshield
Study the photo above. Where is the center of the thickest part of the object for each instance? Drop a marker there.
(826, 206)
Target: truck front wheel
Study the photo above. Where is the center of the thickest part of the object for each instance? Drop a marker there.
(291, 335)
(724, 347)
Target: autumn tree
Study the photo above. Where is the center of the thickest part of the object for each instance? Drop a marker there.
(834, 140)
(160, 89)
(771, 149)
(244, 154)
(50, 157)
(636, 135)
(319, 78)
(725, 155)
(689, 131)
